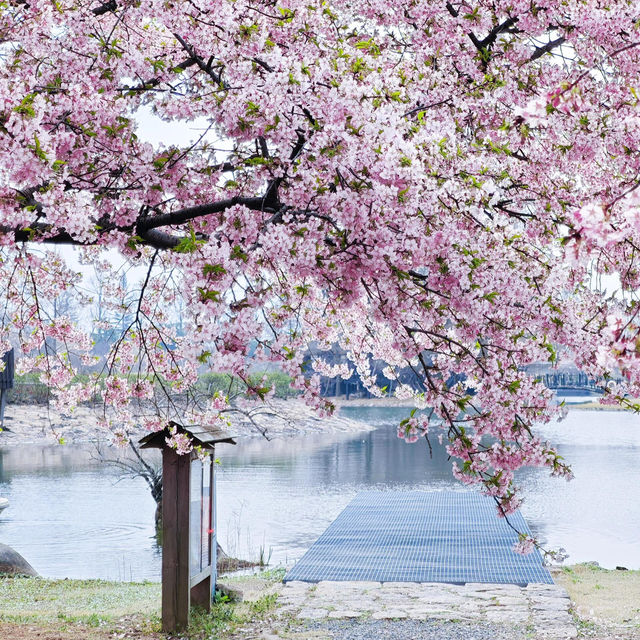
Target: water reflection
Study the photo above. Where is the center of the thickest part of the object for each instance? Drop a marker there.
(597, 515)
(280, 496)
(285, 495)
(71, 517)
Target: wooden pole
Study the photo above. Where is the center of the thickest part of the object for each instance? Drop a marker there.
(175, 541)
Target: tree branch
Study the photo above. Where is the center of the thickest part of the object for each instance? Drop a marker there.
(496, 31)
(42, 233)
(154, 82)
(540, 51)
(486, 43)
(106, 7)
(204, 66)
(191, 213)
(147, 227)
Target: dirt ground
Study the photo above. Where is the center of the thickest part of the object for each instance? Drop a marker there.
(128, 628)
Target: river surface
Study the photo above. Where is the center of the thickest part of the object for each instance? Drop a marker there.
(71, 516)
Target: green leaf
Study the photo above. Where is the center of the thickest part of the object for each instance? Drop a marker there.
(134, 241)
(252, 108)
(189, 243)
(553, 356)
(213, 269)
(37, 149)
(209, 294)
(237, 253)
(25, 107)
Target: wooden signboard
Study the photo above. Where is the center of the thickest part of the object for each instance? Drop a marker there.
(188, 523)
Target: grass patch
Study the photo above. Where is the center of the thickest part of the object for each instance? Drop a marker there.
(101, 610)
(249, 617)
(602, 595)
(220, 620)
(273, 575)
(90, 602)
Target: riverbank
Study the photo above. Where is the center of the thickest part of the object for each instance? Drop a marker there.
(591, 405)
(38, 424)
(604, 607)
(596, 406)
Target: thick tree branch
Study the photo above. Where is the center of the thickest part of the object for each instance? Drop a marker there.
(540, 51)
(204, 66)
(160, 239)
(486, 43)
(496, 31)
(37, 233)
(147, 228)
(42, 233)
(106, 7)
(154, 82)
(191, 213)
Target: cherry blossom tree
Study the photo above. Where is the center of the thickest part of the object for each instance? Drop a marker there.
(429, 183)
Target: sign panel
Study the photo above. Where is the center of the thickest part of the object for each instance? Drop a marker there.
(195, 518)
(200, 520)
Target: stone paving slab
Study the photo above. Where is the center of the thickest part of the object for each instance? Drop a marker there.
(543, 608)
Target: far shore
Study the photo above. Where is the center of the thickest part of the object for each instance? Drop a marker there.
(591, 405)
(596, 406)
(39, 424)
(341, 401)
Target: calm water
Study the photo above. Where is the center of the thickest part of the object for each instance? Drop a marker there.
(71, 517)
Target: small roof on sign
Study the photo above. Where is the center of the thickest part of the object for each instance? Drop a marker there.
(203, 435)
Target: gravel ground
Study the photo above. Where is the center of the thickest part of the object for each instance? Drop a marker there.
(416, 630)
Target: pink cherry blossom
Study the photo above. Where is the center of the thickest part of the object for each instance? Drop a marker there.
(436, 187)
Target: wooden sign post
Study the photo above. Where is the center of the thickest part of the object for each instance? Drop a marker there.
(188, 523)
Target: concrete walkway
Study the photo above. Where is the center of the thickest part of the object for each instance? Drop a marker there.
(542, 609)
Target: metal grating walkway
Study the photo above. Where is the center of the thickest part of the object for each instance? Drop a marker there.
(416, 536)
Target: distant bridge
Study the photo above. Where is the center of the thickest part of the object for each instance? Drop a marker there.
(572, 380)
